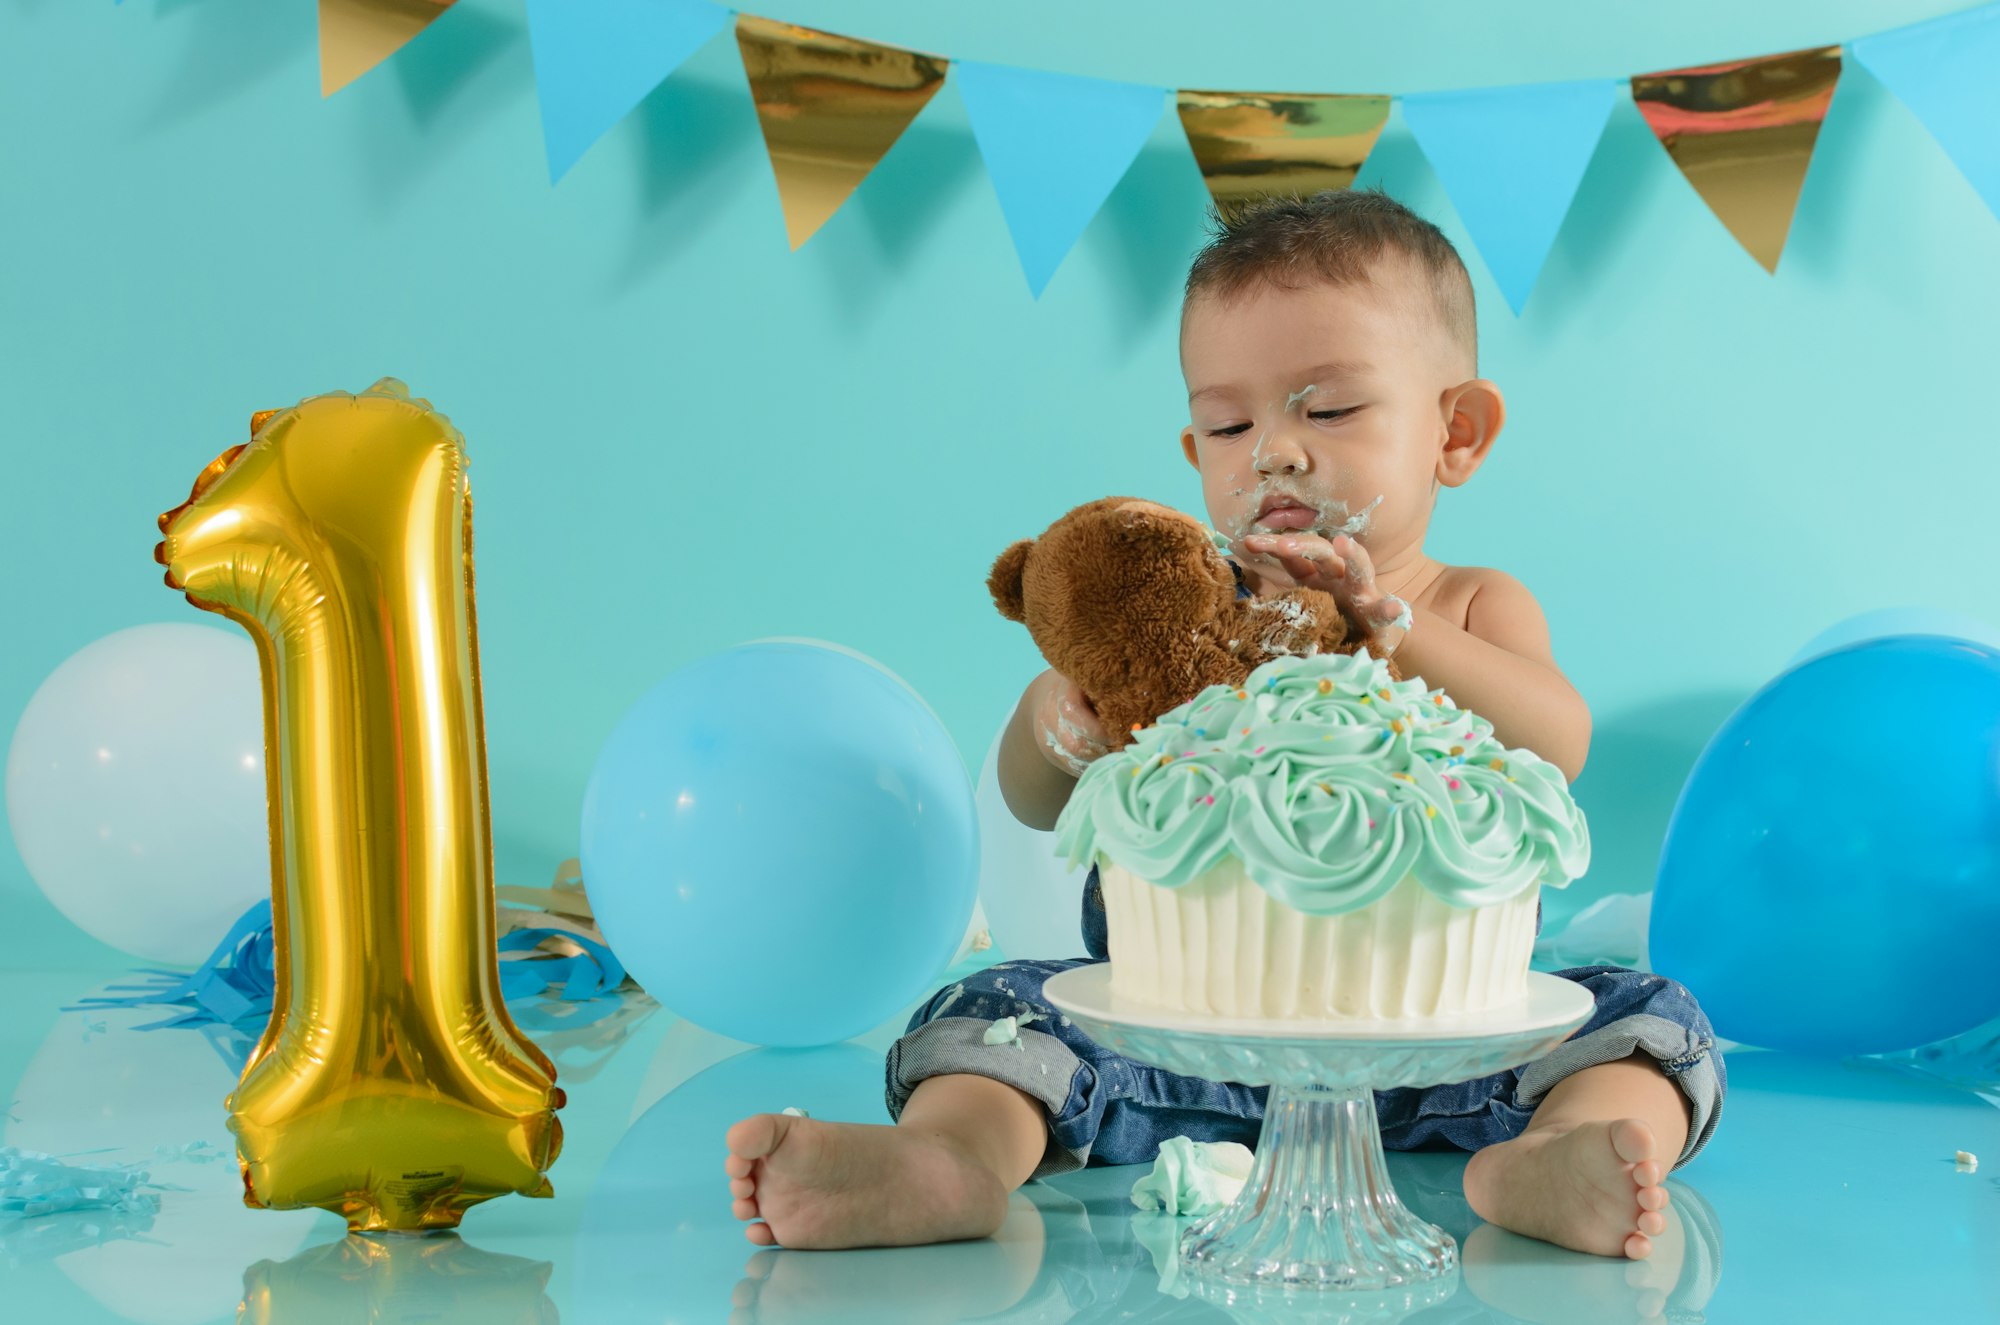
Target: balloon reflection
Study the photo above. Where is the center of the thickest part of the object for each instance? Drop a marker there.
(393, 1278)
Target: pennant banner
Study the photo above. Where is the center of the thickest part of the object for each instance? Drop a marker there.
(597, 59)
(831, 107)
(1055, 146)
(1511, 159)
(1743, 134)
(357, 35)
(1948, 73)
(1250, 144)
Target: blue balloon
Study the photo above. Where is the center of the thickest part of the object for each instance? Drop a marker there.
(1831, 876)
(780, 843)
(1897, 621)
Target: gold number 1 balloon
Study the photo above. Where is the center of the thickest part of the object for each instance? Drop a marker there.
(390, 1085)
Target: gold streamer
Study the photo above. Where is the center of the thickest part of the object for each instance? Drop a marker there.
(1253, 144)
(564, 897)
(1743, 134)
(831, 107)
(357, 35)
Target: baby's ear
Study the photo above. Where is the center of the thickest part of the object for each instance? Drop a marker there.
(1005, 581)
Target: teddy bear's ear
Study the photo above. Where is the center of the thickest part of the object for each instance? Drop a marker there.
(1005, 581)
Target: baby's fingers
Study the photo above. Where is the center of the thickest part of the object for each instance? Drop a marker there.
(1308, 559)
(1064, 728)
(1066, 752)
(1360, 569)
(1079, 720)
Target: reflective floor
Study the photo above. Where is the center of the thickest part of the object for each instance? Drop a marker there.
(1829, 1194)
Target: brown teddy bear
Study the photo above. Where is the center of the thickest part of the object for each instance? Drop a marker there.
(1133, 602)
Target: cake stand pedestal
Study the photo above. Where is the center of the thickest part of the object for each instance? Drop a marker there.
(1318, 1210)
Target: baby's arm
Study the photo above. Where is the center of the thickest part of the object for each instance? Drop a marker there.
(1500, 666)
(1052, 738)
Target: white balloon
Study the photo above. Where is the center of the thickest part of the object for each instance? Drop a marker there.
(135, 789)
(1032, 897)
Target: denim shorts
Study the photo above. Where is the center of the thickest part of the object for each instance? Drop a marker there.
(1104, 1108)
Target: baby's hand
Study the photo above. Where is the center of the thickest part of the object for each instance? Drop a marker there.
(1067, 730)
(1340, 568)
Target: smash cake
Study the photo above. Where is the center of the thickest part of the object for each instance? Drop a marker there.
(1323, 842)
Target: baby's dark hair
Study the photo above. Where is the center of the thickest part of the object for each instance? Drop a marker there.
(1335, 236)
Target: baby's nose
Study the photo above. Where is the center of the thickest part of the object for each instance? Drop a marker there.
(1278, 453)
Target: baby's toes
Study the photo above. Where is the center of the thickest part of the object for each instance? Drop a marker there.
(1632, 1138)
(743, 1188)
(737, 1166)
(1653, 1198)
(754, 1137)
(743, 1209)
(1649, 1173)
(1652, 1223)
(1638, 1247)
(761, 1234)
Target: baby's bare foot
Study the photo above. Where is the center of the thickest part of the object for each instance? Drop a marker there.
(828, 1185)
(1591, 1187)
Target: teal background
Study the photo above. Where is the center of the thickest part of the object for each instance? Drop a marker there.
(684, 435)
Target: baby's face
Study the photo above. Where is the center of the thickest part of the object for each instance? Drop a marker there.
(1317, 409)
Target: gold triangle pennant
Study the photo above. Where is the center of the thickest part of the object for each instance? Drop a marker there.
(831, 107)
(357, 35)
(1253, 144)
(1743, 134)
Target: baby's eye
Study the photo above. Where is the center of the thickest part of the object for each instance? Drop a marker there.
(1332, 413)
(1232, 430)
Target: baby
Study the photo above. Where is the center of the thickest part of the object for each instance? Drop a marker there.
(1330, 352)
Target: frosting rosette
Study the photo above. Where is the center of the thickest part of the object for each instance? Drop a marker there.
(1332, 783)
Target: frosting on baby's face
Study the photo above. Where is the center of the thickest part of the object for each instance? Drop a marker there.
(1317, 410)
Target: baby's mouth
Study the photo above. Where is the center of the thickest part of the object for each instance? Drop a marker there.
(1286, 513)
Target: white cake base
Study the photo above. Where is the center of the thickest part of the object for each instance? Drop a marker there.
(1225, 947)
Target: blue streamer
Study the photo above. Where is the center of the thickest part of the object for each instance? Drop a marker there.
(236, 985)
(32, 1184)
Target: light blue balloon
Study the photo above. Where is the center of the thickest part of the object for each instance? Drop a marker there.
(1831, 877)
(780, 843)
(135, 788)
(1897, 621)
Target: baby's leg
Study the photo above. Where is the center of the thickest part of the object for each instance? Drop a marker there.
(973, 1124)
(939, 1174)
(1002, 1126)
(1637, 1091)
(1587, 1172)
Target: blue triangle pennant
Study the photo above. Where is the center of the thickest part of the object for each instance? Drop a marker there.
(1055, 146)
(1947, 71)
(1511, 159)
(597, 59)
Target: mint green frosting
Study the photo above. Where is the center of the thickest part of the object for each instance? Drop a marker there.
(1192, 1177)
(1331, 783)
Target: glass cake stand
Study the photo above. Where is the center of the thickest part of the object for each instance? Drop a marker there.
(1318, 1210)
